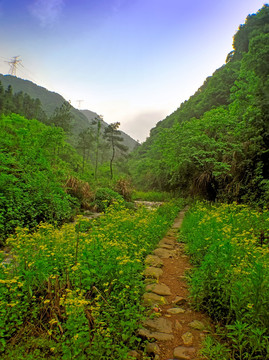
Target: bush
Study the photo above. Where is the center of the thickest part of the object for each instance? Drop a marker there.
(104, 197)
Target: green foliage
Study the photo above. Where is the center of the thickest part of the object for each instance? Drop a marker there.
(62, 117)
(229, 246)
(216, 144)
(20, 103)
(104, 197)
(31, 174)
(76, 291)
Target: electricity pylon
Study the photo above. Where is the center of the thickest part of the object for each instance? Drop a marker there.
(79, 103)
(13, 65)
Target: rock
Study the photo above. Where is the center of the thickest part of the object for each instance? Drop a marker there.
(178, 325)
(168, 241)
(161, 325)
(196, 324)
(144, 333)
(152, 348)
(179, 301)
(150, 281)
(187, 338)
(163, 253)
(160, 289)
(153, 272)
(153, 260)
(161, 336)
(168, 244)
(134, 354)
(153, 299)
(177, 224)
(183, 353)
(174, 311)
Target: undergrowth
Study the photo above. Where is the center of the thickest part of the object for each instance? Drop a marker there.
(229, 245)
(74, 292)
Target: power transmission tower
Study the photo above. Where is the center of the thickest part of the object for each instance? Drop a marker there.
(79, 103)
(13, 65)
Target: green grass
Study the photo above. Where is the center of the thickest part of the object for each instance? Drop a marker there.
(157, 196)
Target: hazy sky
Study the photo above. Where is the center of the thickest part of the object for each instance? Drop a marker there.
(132, 61)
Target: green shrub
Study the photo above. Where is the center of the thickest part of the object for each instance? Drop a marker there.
(104, 197)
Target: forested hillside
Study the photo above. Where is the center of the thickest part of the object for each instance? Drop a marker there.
(50, 101)
(216, 144)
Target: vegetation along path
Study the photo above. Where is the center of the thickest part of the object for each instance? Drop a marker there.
(173, 329)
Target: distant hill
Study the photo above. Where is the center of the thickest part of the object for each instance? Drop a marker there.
(127, 140)
(50, 100)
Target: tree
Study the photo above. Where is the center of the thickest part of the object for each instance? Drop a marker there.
(85, 144)
(62, 117)
(97, 121)
(112, 135)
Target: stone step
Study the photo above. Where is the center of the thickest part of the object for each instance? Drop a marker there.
(159, 289)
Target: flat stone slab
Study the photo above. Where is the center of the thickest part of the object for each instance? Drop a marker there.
(166, 246)
(163, 253)
(161, 336)
(161, 325)
(168, 241)
(159, 289)
(178, 325)
(144, 333)
(187, 338)
(153, 260)
(175, 311)
(197, 325)
(179, 300)
(153, 299)
(177, 224)
(153, 272)
(183, 353)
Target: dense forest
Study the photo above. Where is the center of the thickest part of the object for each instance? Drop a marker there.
(216, 144)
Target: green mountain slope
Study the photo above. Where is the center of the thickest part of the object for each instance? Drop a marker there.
(51, 100)
(216, 144)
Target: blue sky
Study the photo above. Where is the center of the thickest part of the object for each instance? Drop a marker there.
(132, 61)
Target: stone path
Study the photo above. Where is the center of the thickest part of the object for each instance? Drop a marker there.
(173, 329)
